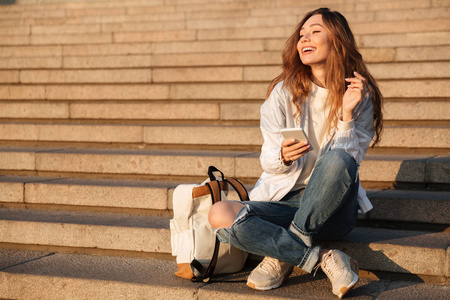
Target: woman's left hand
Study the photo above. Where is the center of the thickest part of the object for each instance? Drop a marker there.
(353, 95)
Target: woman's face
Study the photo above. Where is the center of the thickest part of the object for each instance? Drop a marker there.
(314, 45)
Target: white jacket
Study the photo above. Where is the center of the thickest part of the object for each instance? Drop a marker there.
(277, 112)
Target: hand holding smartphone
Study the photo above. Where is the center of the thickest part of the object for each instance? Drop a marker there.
(296, 133)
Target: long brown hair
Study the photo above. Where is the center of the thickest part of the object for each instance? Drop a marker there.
(344, 58)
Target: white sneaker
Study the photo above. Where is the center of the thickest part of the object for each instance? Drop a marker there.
(269, 274)
(341, 269)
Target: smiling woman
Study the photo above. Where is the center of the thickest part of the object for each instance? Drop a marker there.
(308, 192)
(314, 47)
(342, 60)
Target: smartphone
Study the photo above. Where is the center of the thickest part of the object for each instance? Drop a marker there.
(296, 133)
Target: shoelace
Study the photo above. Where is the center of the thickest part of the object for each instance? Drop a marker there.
(269, 264)
(329, 264)
(316, 268)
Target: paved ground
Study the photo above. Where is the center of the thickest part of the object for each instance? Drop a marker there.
(62, 276)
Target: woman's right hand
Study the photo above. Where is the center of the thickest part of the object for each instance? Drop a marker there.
(292, 149)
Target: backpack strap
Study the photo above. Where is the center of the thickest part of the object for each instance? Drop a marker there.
(211, 170)
(205, 274)
(215, 188)
(239, 187)
(204, 190)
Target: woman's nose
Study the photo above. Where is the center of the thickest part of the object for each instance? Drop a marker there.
(305, 38)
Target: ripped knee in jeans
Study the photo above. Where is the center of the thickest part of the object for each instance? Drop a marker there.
(223, 233)
(223, 213)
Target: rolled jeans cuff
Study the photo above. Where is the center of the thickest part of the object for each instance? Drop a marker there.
(306, 239)
(312, 260)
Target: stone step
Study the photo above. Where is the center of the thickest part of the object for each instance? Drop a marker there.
(292, 19)
(103, 56)
(95, 194)
(410, 206)
(416, 252)
(86, 76)
(363, 12)
(30, 62)
(190, 45)
(101, 38)
(140, 7)
(405, 110)
(408, 137)
(130, 30)
(178, 11)
(189, 5)
(24, 5)
(277, 31)
(167, 30)
(415, 137)
(393, 136)
(415, 110)
(27, 5)
(414, 169)
(107, 110)
(175, 31)
(107, 231)
(30, 274)
(146, 196)
(389, 41)
(403, 40)
(383, 71)
(78, 37)
(427, 88)
(413, 14)
(205, 12)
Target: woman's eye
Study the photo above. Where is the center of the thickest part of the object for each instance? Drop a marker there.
(316, 31)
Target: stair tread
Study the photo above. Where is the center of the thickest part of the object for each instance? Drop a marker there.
(363, 235)
(83, 218)
(410, 194)
(125, 30)
(242, 164)
(398, 88)
(93, 152)
(418, 252)
(203, 11)
(86, 230)
(401, 237)
(65, 275)
(108, 194)
(106, 56)
(236, 73)
(175, 134)
(177, 152)
(192, 111)
(373, 193)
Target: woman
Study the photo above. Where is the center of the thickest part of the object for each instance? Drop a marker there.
(309, 194)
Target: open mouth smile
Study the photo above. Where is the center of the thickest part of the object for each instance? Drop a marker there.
(308, 49)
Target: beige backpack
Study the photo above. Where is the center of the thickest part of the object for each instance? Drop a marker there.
(199, 253)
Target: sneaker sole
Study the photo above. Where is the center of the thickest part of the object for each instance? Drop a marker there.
(355, 268)
(270, 287)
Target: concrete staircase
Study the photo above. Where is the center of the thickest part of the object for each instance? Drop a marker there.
(106, 106)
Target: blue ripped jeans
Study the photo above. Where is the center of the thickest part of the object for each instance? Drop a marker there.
(286, 230)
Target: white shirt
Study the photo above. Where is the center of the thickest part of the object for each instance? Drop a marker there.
(317, 129)
(277, 112)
